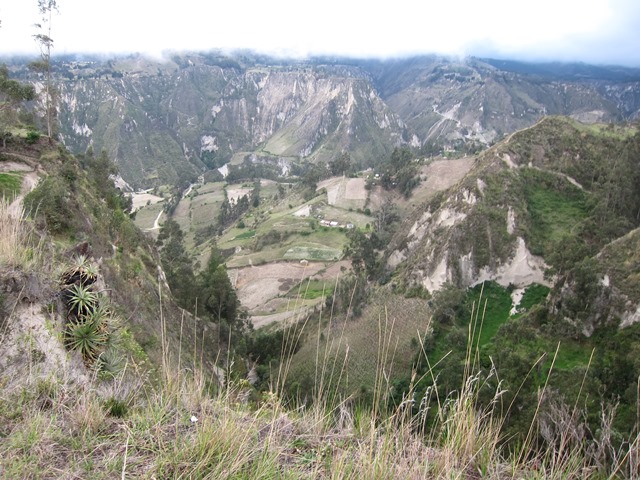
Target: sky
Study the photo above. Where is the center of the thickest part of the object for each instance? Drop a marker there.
(591, 31)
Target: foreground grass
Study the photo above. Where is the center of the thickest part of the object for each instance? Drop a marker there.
(16, 239)
(127, 428)
(124, 428)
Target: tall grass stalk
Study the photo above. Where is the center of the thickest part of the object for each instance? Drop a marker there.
(15, 237)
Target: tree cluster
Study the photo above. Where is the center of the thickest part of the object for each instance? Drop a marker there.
(231, 211)
(400, 172)
(211, 288)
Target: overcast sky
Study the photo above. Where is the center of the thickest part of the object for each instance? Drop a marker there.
(594, 31)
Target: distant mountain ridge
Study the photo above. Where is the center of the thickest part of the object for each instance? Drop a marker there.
(168, 126)
(167, 122)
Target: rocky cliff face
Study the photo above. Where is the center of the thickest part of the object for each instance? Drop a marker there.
(469, 234)
(166, 125)
(165, 122)
(461, 101)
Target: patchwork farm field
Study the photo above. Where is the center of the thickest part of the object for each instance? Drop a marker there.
(146, 216)
(272, 249)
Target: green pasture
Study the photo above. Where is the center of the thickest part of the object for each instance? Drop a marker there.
(10, 184)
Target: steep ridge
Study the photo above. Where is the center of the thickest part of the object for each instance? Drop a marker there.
(529, 209)
(451, 101)
(67, 210)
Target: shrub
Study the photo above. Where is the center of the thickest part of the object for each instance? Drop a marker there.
(51, 202)
(116, 408)
(88, 335)
(32, 137)
(90, 324)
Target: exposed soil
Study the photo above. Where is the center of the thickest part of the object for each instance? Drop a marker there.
(261, 288)
(28, 333)
(262, 320)
(15, 167)
(343, 191)
(442, 174)
(139, 200)
(257, 285)
(235, 194)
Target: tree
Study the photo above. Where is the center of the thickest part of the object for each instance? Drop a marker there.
(386, 215)
(400, 172)
(350, 295)
(313, 175)
(219, 297)
(255, 194)
(13, 92)
(224, 212)
(448, 303)
(45, 42)
(341, 165)
(176, 263)
(362, 253)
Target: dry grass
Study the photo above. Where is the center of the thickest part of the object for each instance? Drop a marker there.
(15, 237)
(181, 431)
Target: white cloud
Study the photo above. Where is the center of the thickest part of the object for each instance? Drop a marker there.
(583, 30)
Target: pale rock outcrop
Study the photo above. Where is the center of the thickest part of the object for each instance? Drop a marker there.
(524, 268)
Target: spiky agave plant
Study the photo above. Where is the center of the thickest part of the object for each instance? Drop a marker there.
(81, 301)
(88, 335)
(90, 274)
(109, 363)
(81, 272)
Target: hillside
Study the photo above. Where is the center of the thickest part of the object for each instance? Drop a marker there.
(532, 254)
(483, 100)
(78, 216)
(544, 198)
(168, 122)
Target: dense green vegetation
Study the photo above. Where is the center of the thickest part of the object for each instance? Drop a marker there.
(529, 350)
(556, 208)
(479, 322)
(575, 190)
(59, 199)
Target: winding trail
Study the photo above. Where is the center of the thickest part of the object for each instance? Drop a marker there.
(29, 180)
(156, 224)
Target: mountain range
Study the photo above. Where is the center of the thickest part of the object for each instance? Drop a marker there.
(166, 122)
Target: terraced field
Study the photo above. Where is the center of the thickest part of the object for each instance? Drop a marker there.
(275, 247)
